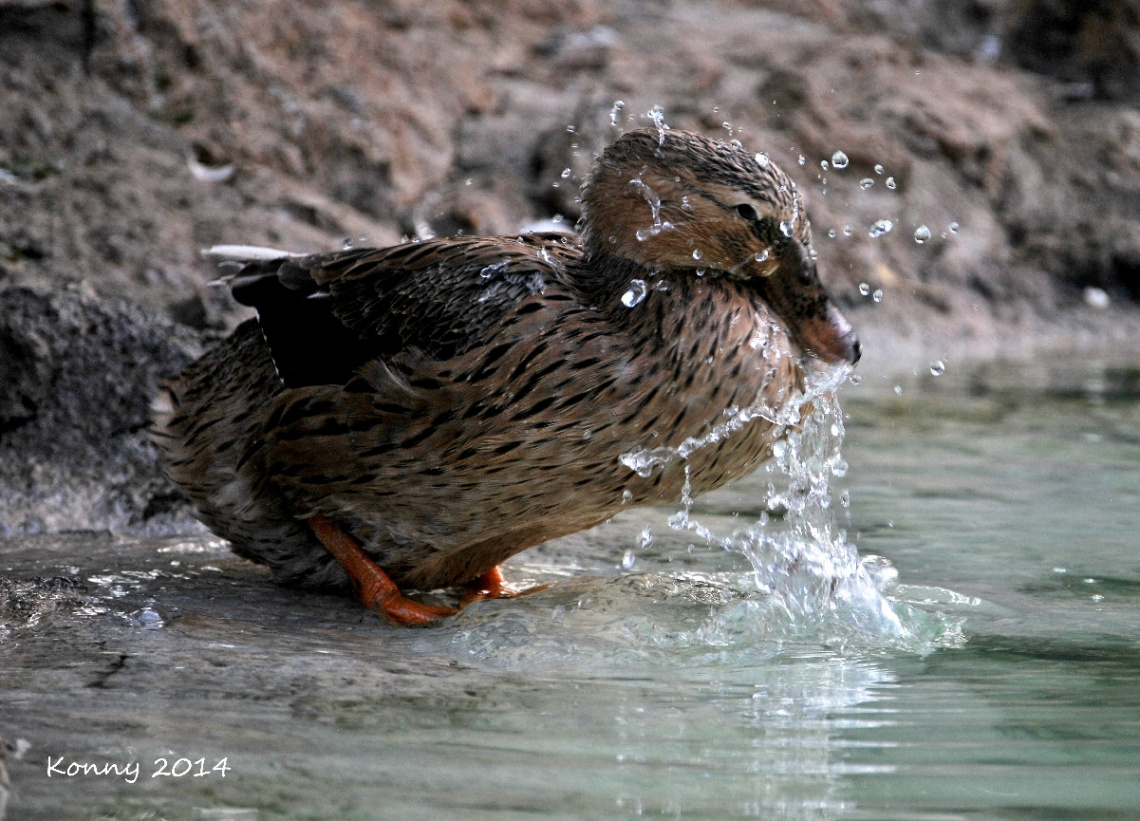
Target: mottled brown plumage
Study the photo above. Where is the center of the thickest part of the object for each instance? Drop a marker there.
(452, 402)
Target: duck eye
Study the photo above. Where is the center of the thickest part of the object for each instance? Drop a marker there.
(748, 211)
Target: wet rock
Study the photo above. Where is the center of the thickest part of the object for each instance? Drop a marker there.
(77, 373)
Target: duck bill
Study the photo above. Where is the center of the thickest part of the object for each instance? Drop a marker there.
(829, 337)
(813, 322)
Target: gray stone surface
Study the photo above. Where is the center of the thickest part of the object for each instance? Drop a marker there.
(77, 374)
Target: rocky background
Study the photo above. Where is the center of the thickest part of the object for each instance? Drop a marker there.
(1000, 138)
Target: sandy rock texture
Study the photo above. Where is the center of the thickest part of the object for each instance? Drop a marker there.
(1003, 134)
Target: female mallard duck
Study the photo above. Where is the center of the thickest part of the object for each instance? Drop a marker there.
(413, 416)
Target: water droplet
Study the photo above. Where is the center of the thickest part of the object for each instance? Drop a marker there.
(845, 498)
(787, 229)
(855, 379)
(848, 230)
(1097, 298)
(823, 164)
(877, 295)
(864, 288)
(898, 392)
(667, 226)
(802, 159)
(762, 160)
(635, 294)
(880, 228)
(726, 124)
(839, 159)
(557, 219)
(147, 618)
(878, 169)
(645, 538)
(566, 173)
(831, 233)
(762, 256)
(937, 367)
(890, 183)
(686, 205)
(627, 560)
(615, 112)
(953, 227)
(921, 234)
(697, 253)
(866, 183)
(626, 496)
(657, 115)
(643, 234)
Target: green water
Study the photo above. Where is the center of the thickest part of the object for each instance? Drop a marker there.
(996, 677)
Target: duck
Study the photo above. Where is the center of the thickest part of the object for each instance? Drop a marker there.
(405, 419)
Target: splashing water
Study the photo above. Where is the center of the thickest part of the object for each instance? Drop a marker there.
(881, 228)
(657, 115)
(808, 568)
(634, 294)
(638, 185)
(811, 579)
(807, 590)
(615, 112)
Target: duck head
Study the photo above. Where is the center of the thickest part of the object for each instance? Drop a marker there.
(670, 200)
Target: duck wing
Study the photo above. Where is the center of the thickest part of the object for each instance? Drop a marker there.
(325, 316)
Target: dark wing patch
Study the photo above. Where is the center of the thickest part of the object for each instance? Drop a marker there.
(308, 344)
(325, 316)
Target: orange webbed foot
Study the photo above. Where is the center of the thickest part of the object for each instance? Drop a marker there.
(492, 585)
(377, 591)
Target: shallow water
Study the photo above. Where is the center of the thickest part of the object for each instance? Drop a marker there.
(997, 676)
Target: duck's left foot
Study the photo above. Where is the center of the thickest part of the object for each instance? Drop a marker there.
(377, 591)
(492, 585)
